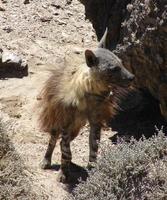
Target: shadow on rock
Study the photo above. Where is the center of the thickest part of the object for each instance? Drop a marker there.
(13, 71)
(12, 66)
(142, 118)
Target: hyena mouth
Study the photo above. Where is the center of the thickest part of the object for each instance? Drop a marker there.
(124, 84)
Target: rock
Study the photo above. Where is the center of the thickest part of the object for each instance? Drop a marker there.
(12, 65)
(46, 18)
(77, 50)
(2, 8)
(137, 32)
(4, 1)
(129, 7)
(8, 57)
(58, 4)
(7, 29)
(24, 64)
(56, 13)
(60, 22)
(46, 5)
(26, 1)
(68, 2)
(69, 13)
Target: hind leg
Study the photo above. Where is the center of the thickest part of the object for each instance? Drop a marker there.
(46, 162)
(66, 156)
(68, 134)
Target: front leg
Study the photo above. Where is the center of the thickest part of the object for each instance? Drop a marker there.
(65, 157)
(94, 139)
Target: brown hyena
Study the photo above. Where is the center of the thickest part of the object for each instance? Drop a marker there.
(74, 95)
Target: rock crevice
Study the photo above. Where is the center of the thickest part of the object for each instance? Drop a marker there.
(138, 35)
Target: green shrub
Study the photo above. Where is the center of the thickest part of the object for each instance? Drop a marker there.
(128, 171)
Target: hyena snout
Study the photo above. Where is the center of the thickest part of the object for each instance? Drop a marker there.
(122, 77)
(127, 77)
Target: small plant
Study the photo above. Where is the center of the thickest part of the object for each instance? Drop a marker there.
(128, 171)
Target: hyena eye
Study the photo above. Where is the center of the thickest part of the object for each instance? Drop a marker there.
(116, 69)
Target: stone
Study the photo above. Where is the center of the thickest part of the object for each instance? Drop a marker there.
(2, 8)
(137, 34)
(26, 1)
(8, 57)
(68, 2)
(7, 29)
(4, 1)
(11, 65)
(60, 22)
(58, 4)
(46, 18)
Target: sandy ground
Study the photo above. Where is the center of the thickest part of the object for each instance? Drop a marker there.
(43, 33)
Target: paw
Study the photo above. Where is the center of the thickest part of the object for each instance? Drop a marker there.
(45, 164)
(91, 165)
(62, 178)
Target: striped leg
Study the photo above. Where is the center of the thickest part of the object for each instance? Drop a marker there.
(65, 157)
(46, 163)
(94, 139)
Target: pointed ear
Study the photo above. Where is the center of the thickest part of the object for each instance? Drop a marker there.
(102, 43)
(91, 59)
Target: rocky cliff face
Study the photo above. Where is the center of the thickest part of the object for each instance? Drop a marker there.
(138, 35)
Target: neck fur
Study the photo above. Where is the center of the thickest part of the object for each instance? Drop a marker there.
(82, 82)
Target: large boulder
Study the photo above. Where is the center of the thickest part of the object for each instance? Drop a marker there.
(138, 35)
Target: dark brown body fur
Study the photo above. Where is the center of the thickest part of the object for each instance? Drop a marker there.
(55, 114)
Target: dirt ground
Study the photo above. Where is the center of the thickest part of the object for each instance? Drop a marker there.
(43, 33)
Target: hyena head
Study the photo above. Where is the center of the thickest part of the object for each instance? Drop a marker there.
(107, 67)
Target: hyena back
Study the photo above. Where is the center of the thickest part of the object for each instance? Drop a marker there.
(74, 95)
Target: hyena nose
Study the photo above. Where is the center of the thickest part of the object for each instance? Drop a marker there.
(131, 77)
(128, 75)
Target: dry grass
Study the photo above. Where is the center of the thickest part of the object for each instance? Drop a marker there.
(15, 182)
